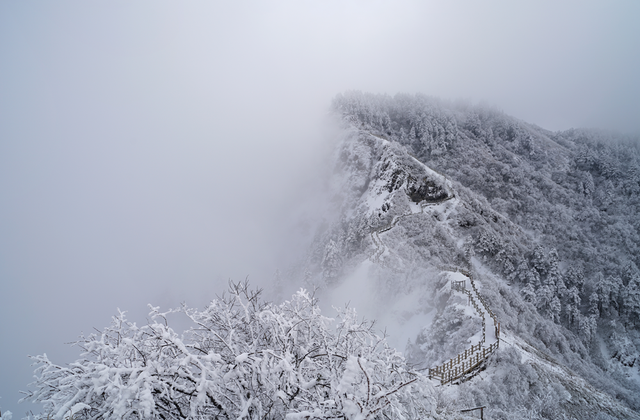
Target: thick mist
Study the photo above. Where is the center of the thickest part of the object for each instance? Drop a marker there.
(150, 151)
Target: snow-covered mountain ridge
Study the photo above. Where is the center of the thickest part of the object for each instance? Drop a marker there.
(546, 222)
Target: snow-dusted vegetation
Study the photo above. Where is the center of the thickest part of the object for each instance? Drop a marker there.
(243, 358)
(547, 223)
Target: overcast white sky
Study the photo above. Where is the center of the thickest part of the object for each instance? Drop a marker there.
(150, 150)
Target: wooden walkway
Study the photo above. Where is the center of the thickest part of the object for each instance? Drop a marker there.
(471, 360)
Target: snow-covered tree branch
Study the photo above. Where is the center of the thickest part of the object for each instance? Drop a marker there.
(243, 359)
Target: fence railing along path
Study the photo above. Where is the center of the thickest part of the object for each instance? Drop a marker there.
(469, 362)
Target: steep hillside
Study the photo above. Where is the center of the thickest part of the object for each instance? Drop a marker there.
(547, 223)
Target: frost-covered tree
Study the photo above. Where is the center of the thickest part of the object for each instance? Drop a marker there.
(332, 260)
(632, 300)
(242, 359)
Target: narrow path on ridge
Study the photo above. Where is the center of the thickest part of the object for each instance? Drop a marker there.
(375, 235)
(469, 362)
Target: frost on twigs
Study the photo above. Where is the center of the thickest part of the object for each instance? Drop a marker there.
(242, 358)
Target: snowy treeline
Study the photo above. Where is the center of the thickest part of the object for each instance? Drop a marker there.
(577, 192)
(241, 359)
(548, 222)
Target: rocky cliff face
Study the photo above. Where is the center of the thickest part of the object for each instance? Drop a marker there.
(375, 181)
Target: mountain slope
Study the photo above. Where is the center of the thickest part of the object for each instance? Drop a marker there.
(546, 222)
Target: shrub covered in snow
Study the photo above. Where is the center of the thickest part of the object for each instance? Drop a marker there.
(242, 359)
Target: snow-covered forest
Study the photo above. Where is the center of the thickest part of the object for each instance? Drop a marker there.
(548, 222)
(575, 194)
